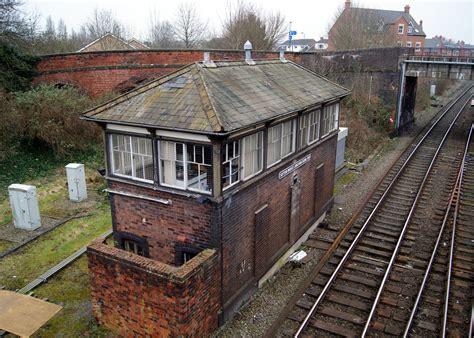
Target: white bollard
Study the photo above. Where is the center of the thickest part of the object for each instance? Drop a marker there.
(24, 204)
(76, 181)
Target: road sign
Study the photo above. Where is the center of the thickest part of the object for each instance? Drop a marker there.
(290, 38)
(293, 33)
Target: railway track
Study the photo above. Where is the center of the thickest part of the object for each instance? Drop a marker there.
(371, 280)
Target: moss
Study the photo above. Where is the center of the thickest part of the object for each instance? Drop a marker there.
(344, 180)
(70, 288)
(20, 268)
(5, 245)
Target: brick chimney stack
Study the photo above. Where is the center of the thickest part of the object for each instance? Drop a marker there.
(347, 4)
(407, 9)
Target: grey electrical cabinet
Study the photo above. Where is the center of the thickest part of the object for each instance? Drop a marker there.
(24, 204)
(76, 181)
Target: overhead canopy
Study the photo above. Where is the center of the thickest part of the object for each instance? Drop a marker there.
(24, 315)
(221, 97)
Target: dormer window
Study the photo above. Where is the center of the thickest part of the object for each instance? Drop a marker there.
(401, 28)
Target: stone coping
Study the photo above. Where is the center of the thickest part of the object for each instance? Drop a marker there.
(176, 273)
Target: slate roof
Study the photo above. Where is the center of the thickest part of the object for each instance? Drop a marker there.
(302, 42)
(390, 17)
(221, 98)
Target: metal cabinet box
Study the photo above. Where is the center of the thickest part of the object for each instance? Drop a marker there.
(76, 181)
(24, 204)
(341, 147)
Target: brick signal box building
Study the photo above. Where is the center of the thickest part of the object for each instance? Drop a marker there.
(215, 172)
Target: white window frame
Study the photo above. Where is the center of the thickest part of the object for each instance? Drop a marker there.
(417, 46)
(132, 163)
(331, 119)
(292, 134)
(409, 44)
(410, 28)
(402, 26)
(185, 162)
(228, 161)
(242, 152)
(314, 122)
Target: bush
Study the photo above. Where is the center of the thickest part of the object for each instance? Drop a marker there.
(16, 69)
(46, 116)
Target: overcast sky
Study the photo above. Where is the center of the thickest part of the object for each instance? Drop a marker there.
(453, 19)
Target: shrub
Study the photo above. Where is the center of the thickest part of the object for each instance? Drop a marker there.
(16, 69)
(49, 116)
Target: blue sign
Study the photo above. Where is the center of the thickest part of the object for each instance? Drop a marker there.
(290, 38)
(293, 33)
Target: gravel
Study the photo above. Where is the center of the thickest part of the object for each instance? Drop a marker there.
(258, 314)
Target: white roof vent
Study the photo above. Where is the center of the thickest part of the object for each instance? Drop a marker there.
(248, 53)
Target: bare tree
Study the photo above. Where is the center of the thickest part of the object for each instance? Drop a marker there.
(245, 22)
(188, 27)
(103, 22)
(161, 33)
(358, 27)
(16, 27)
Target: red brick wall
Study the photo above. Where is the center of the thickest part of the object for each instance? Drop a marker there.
(101, 72)
(238, 213)
(137, 296)
(185, 221)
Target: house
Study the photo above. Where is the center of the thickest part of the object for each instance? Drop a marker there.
(297, 45)
(322, 43)
(111, 42)
(216, 173)
(442, 46)
(367, 27)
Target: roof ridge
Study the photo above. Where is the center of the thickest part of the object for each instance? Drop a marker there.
(207, 103)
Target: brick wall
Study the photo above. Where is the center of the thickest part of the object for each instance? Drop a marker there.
(137, 296)
(238, 217)
(101, 72)
(166, 228)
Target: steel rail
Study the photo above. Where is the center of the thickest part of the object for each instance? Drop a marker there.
(456, 189)
(369, 218)
(451, 249)
(405, 226)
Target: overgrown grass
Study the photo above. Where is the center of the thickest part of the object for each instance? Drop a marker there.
(20, 268)
(29, 164)
(344, 180)
(70, 288)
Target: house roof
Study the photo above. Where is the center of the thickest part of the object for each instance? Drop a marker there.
(219, 98)
(302, 42)
(137, 44)
(391, 17)
(114, 41)
(322, 40)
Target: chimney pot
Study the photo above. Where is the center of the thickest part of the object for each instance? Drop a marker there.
(282, 54)
(347, 4)
(248, 52)
(421, 23)
(407, 9)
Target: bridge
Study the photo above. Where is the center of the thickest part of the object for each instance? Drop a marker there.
(438, 63)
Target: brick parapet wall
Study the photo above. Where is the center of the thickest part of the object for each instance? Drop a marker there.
(138, 296)
(185, 223)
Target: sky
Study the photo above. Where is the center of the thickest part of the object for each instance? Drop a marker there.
(453, 19)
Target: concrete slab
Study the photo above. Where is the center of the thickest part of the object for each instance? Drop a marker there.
(24, 315)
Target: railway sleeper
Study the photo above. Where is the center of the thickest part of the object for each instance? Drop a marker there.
(332, 328)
